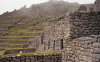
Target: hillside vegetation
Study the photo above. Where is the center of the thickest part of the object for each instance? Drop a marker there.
(33, 20)
(27, 21)
(19, 26)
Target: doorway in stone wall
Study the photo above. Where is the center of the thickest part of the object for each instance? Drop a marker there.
(54, 45)
(61, 44)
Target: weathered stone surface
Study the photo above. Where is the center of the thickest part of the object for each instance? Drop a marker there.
(97, 5)
(76, 59)
(34, 58)
(98, 39)
(95, 36)
(95, 60)
(96, 56)
(96, 45)
(93, 40)
(89, 59)
(84, 38)
(91, 50)
(97, 50)
(82, 8)
(78, 25)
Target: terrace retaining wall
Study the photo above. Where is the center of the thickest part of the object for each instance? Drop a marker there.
(34, 58)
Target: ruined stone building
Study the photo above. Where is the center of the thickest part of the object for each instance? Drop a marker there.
(77, 37)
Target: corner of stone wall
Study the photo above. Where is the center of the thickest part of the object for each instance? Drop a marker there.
(85, 49)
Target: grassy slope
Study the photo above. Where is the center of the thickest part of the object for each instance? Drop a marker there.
(25, 23)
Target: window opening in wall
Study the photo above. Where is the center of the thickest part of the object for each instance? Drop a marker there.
(61, 43)
(54, 45)
(44, 45)
(42, 40)
(48, 44)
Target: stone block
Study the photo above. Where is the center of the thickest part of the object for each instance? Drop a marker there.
(84, 58)
(76, 59)
(93, 40)
(90, 46)
(91, 50)
(89, 59)
(96, 56)
(87, 54)
(84, 38)
(72, 59)
(77, 48)
(81, 49)
(95, 60)
(13, 61)
(80, 57)
(17, 60)
(82, 53)
(96, 50)
(85, 46)
(98, 39)
(95, 36)
(88, 42)
(82, 61)
(96, 45)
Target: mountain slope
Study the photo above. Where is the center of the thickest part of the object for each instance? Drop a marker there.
(33, 20)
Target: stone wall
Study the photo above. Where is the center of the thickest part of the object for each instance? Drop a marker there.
(54, 35)
(35, 42)
(74, 25)
(84, 24)
(97, 5)
(34, 58)
(85, 49)
(13, 51)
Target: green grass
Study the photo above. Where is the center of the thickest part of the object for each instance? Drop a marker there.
(74, 40)
(34, 32)
(17, 36)
(31, 53)
(12, 44)
(2, 52)
(15, 40)
(6, 48)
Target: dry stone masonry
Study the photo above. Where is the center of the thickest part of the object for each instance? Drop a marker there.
(75, 25)
(82, 8)
(83, 49)
(97, 5)
(77, 37)
(34, 58)
(84, 24)
(13, 51)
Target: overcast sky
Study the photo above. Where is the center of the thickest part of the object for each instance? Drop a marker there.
(10, 5)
